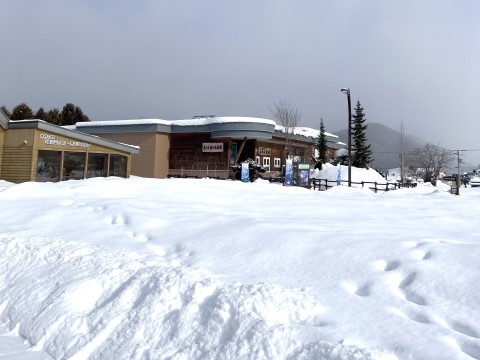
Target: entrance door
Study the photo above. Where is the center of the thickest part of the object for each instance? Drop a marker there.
(266, 163)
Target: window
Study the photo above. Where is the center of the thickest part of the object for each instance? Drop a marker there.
(266, 163)
(73, 165)
(257, 160)
(48, 166)
(118, 165)
(277, 162)
(97, 165)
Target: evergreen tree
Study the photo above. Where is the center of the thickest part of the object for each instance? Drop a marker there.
(363, 153)
(67, 116)
(72, 114)
(5, 111)
(80, 116)
(21, 112)
(40, 114)
(53, 116)
(321, 146)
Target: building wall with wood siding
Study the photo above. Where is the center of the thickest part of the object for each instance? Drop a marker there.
(21, 146)
(17, 155)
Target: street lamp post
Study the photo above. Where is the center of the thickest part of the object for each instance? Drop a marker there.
(347, 91)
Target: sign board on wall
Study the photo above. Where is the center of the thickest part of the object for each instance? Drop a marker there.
(212, 147)
(50, 139)
(263, 151)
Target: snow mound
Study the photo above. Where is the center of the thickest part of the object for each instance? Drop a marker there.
(339, 174)
(80, 301)
(5, 184)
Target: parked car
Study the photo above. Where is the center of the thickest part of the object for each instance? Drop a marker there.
(475, 181)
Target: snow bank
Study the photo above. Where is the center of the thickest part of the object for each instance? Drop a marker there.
(78, 301)
(339, 174)
(207, 269)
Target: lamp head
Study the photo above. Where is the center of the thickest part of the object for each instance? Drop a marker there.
(345, 90)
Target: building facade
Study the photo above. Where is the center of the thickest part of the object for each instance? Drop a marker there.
(33, 150)
(208, 146)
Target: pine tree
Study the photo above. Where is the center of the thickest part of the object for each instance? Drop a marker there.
(40, 114)
(67, 116)
(362, 150)
(21, 112)
(53, 116)
(72, 114)
(80, 116)
(321, 146)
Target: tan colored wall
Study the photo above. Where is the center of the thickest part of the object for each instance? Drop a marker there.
(152, 161)
(162, 149)
(17, 155)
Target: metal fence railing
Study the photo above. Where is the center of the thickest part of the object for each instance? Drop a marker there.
(323, 184)
(186, 173)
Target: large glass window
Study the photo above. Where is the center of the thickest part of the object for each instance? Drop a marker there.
(118, 165)
(97, 165)
(73, 165)
(48, 166)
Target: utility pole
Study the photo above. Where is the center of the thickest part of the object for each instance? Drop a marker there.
(347, 91)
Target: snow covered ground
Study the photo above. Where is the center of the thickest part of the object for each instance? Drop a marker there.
(139, 268)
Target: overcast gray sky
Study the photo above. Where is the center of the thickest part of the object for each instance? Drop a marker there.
(416, 61)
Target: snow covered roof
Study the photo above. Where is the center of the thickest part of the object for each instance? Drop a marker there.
(187, 122)
(219, 126)
(305, 131)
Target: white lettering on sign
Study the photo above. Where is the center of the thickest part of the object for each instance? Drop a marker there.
(50, 140)
(264, 151)
(212, 147)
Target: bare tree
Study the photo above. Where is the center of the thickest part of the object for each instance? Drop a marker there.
(289, 117)
(433, 159)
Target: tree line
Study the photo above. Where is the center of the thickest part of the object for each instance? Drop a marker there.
(69, 115)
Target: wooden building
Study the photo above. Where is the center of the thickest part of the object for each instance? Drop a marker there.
(207, 146)
(33, 150)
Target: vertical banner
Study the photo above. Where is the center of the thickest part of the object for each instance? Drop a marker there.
(289, 172)
(245, 172)
(304, 175)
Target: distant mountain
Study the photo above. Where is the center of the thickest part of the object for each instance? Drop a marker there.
(385, 143)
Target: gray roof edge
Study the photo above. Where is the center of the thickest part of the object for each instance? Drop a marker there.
(304, 138)
(42, 125)
(163, 128)
(4, 119)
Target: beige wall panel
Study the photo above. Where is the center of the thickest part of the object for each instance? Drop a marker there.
(19, 138)
(143, 164)
(161, 156)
